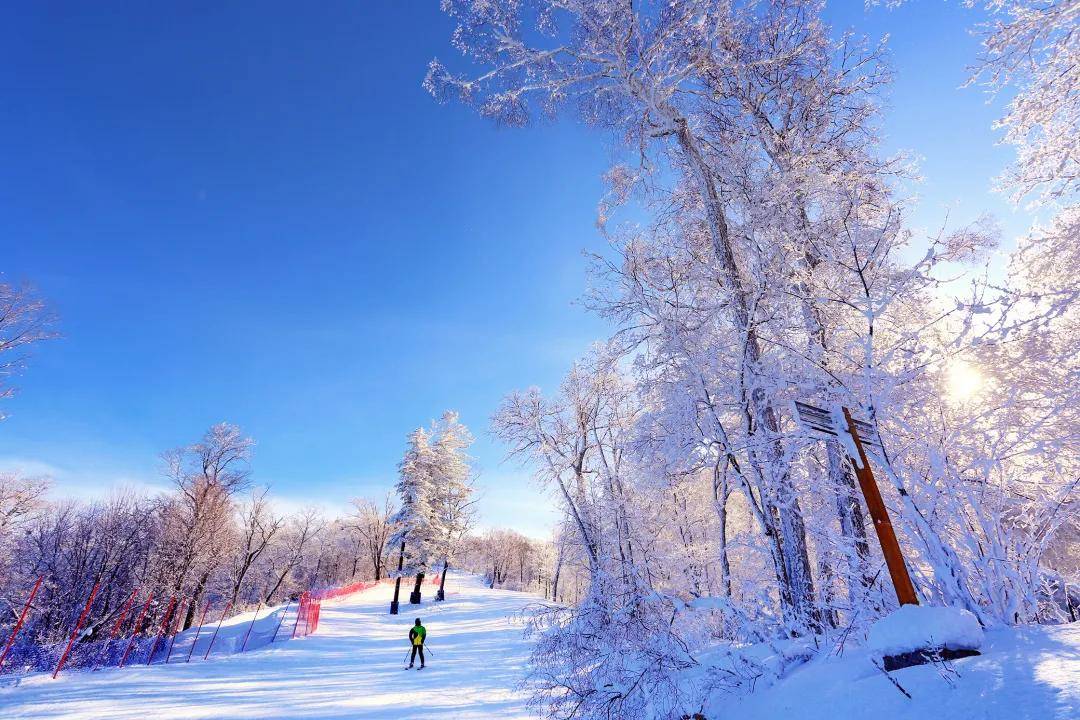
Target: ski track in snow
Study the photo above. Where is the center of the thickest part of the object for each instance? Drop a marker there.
(351, 668)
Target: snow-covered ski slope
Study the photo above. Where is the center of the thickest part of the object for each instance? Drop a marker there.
(351, 668)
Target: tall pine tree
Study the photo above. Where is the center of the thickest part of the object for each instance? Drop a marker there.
(416, 524)
(452, 489)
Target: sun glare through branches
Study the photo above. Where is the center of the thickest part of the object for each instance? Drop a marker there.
(963, 381)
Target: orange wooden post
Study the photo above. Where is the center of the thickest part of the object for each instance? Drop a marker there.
(890, 548)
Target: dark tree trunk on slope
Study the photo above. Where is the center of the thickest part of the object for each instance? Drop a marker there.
(441, 595)
(200, 589)
(415, 597)
(397, 581)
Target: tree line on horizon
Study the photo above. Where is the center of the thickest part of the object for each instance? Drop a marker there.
(217, 538)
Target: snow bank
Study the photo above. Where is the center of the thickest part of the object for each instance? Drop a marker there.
(918, 627)
(1023, 673)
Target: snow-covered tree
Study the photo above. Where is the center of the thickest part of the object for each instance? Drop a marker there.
(258, 528)
(24, 320)
(197, 542)
(1032, 47)
(373, 525)
(416, 522)
(452, 489)
(198, 519)
(777, 264)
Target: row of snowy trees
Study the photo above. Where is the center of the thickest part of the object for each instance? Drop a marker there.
(510, 560)
(435, 493)
(779, 263)
(212, 538)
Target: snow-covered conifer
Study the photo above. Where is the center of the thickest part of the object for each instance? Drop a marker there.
(452, 489)
(416, 521)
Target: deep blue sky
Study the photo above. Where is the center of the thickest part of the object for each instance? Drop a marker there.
(254, 213)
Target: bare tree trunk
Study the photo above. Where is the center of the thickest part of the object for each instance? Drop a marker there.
(555, 578)
(397, 581)
(693, 572)
(415, 596)
(281, 579)
(721, 493)
(797, 586)
(441, 595)
(852, 524)
(189, 617)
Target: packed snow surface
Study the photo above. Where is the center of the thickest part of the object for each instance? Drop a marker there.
(353, 667)
(921, 627)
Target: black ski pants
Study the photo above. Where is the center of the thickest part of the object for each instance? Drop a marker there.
(412, 658)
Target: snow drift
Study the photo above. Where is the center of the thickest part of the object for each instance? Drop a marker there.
(920, 627)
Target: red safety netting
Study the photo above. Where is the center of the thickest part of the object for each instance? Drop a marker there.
(333, 593)
(154, 642)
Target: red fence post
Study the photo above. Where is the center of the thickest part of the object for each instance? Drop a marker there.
(248, 633)
(18, 625)
(123, 613)
(164, 629)
(75, 632)
(281, 621)
(175, 629)
(135, 630)
(299, 611)
(216, 630)
(198, 630)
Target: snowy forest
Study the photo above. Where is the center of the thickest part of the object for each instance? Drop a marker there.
(777, 264)
(760, 252)
(216, 539)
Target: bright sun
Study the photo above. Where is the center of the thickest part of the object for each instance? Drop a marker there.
(963, 381)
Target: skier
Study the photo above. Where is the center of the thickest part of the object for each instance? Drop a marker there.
(417, 635)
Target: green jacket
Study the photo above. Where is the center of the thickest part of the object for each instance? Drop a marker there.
(417, 634)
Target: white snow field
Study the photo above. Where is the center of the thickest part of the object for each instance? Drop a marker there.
(353, 667)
